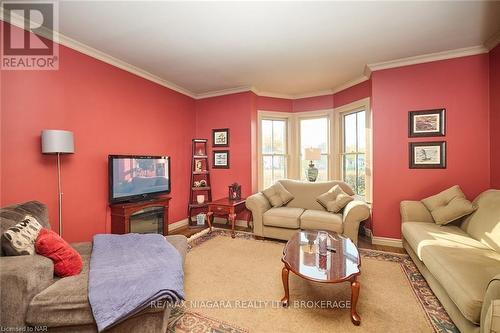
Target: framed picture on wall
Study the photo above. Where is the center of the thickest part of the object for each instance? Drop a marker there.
(427, 155)
(220, 159)
(426, 123)
(220, 137)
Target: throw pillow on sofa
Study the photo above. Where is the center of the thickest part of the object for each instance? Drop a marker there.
(335, 199)
(67, 261)
(448, 205)
(20, 239)
(277, 195)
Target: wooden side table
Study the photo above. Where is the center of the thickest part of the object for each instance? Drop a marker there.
(227, 208)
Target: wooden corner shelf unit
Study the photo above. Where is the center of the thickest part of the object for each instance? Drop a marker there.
(200, 171)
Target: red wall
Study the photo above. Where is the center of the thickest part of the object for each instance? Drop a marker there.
(354, 93)
(313, 103)
(110, 111)
(234, 112)
(274, 104)
(459, 85)
(495, 116)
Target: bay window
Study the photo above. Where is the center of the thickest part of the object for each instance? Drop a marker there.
(343, 135)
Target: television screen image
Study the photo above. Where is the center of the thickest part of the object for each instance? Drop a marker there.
(135, 177)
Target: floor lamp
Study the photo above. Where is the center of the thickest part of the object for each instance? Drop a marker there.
(58, 142)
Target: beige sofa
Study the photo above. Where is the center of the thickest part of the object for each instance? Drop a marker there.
(304, 212)
(460, 261)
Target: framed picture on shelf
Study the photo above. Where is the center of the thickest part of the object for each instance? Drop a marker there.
(220, 159)
(427, 155)
(220, 137)
(426, 123)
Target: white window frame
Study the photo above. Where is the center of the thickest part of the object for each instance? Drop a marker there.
(283, 116)
(360, 105)
(313, 115)
(335, 140)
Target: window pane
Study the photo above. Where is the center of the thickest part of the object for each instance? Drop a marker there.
(267, 136)
(350, 134)
(361, 183)
(349, 163)
(279, 137)
(322, 166)
(267, 171)
(361, 132)
(279, 167)
(314, 134)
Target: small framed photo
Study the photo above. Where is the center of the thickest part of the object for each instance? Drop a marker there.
(426, 123)
(220, 137)
(427, 155)
(220, 159)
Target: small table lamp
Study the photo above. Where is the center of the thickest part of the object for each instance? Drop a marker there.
(312, 154)
(58, 142)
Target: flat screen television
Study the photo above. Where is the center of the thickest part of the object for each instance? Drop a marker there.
(135, 178)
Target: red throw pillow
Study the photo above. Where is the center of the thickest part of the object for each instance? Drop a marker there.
(67, 260)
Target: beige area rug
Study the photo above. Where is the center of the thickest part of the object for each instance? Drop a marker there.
(234, 285)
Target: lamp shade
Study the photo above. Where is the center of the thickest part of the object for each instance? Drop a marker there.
(312, 154)
(57, 141)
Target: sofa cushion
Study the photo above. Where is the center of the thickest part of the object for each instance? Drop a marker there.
(321, 220)
(455, 209)
(64, 303)
(421, 234)
(448, 205)
(464, 273)
(67, 261)
(484, 224)
(335, 199)
(283, 217)
(20, 239)
(277, 195)
(305, 193)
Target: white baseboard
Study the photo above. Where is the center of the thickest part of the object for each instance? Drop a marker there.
(178, 224)
(394, 242)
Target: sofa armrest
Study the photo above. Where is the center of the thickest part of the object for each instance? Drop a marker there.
(21, 278)
(414, 211)
(490, 312)
(258, 205)
(354, 213)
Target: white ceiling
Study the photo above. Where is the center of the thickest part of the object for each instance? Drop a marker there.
(280, 47)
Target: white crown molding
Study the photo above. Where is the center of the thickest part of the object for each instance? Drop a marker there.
(385, 241)
(94, 53)
(493, 41)
(369, 68)
(351, 83)
(271, 94)
(420, 59)
(223, 92)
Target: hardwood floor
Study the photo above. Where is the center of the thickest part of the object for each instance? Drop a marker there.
(363, 241)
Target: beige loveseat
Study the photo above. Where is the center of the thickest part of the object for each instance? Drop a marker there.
(460, 261)
(304, 212)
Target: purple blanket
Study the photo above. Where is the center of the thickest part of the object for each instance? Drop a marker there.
(128, 272)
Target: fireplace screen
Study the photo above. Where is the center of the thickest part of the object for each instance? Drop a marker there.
(147, 221)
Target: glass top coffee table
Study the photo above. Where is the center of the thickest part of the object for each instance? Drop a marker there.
(341, 263)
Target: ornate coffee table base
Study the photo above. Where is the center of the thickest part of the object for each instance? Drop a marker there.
(341, 263)
(355, 285)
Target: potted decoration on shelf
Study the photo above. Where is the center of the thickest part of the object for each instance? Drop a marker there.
(234, 191)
